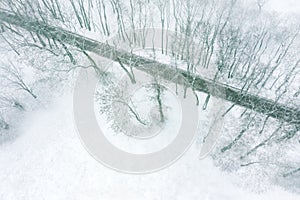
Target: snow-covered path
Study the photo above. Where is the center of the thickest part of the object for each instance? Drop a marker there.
(47, 161)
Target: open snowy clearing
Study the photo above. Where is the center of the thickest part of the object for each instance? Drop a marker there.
(48, 161)
(230, 67)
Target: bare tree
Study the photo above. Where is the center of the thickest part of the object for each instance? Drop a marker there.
(3, 124)
(252, 58)
(8, 102)
(14, 78)
(260, 4)
(112, 97)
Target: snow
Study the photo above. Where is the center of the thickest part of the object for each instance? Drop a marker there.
(47, 161)
(152, 139)
(286, 6)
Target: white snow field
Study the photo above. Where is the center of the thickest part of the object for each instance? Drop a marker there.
(45, 159)
(48, 161)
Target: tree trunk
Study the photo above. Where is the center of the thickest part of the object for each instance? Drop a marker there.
(168, 72)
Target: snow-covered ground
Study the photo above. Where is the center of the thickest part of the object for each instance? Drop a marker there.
(280, 6)
(47, 161)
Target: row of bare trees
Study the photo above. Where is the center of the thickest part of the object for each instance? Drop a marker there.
(221, 40)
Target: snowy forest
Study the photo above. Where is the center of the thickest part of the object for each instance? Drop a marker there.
(236, 59)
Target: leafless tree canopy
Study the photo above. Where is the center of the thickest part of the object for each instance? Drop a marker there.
(249, 53)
